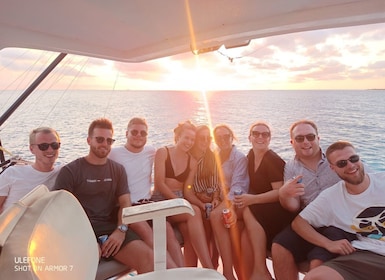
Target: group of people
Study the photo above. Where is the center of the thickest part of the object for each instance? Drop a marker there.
(319, 207)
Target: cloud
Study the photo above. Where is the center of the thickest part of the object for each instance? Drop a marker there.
(326, 58)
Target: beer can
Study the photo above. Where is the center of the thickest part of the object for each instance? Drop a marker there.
(208, 207)
(299, 180)
(227, 217)
(102, 238)
(238, 192)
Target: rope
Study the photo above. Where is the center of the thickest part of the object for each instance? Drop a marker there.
(113, 90)
(231, 58)
(75, 77)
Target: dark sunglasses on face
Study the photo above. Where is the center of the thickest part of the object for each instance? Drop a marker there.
(257, 134)
(45, 146)
(101, 140)
(225, 137)
(342, 163)
(301, 138)
(135, 132)
(204, 138)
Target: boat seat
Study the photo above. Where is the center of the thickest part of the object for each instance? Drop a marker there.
(40, 229)
(158, 212)
(112, 268)
(109, 269)
(47, 235)
(185, 273)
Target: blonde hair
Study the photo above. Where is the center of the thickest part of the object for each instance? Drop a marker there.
(45, 130)
(181, 127)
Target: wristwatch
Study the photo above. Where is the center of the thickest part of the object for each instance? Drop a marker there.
(123, 228)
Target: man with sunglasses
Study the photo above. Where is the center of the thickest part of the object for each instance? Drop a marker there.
(306, 176)
(355, 205)
(100, 185)
(18, 180)
(138, 159)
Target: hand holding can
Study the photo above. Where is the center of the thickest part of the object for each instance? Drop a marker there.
(299, 180)
(102, 239)
(238, 192)
(228, 218)
(208, 208)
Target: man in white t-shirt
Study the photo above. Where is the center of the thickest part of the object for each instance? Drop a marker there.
(18, 180)
(355, 205)
(138, 159)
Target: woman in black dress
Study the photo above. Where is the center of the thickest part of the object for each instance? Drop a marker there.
(264, 217)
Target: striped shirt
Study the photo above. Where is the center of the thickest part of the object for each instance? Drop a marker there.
(210, 183)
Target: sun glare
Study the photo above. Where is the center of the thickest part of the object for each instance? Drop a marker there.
(106, 73)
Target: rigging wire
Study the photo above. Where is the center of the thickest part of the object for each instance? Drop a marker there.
(27, 92)
(232, 58)
(23, 77)
(37, 96)
(112, 91)
(60, 73)
(36, 82)
(49, 82)
(75, 77)
(16, 58)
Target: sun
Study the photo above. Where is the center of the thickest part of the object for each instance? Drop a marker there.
(204, 78)
(194, 75)
(102, 72)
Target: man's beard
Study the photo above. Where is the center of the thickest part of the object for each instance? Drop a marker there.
(100, 153)
(355, 180)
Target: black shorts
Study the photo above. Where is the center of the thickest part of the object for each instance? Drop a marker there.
(331, 233)
(273, 219)
(294, 243)
(305, 251)
(107, 229)
(359, 265)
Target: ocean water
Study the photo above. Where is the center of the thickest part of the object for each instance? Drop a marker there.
(355, 116)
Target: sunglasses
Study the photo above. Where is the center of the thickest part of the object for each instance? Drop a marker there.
(225, 137)
(45, 146)
(135, 132)
(342, 163)
(101, 140)
(258, 134)
(301, 138)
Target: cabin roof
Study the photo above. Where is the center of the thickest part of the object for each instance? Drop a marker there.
(140, 30)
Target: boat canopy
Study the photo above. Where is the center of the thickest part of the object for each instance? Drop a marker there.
(140, 30)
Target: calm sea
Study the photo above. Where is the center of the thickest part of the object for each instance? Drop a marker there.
(356, 116)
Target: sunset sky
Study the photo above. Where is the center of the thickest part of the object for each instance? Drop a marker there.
(343, 58)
